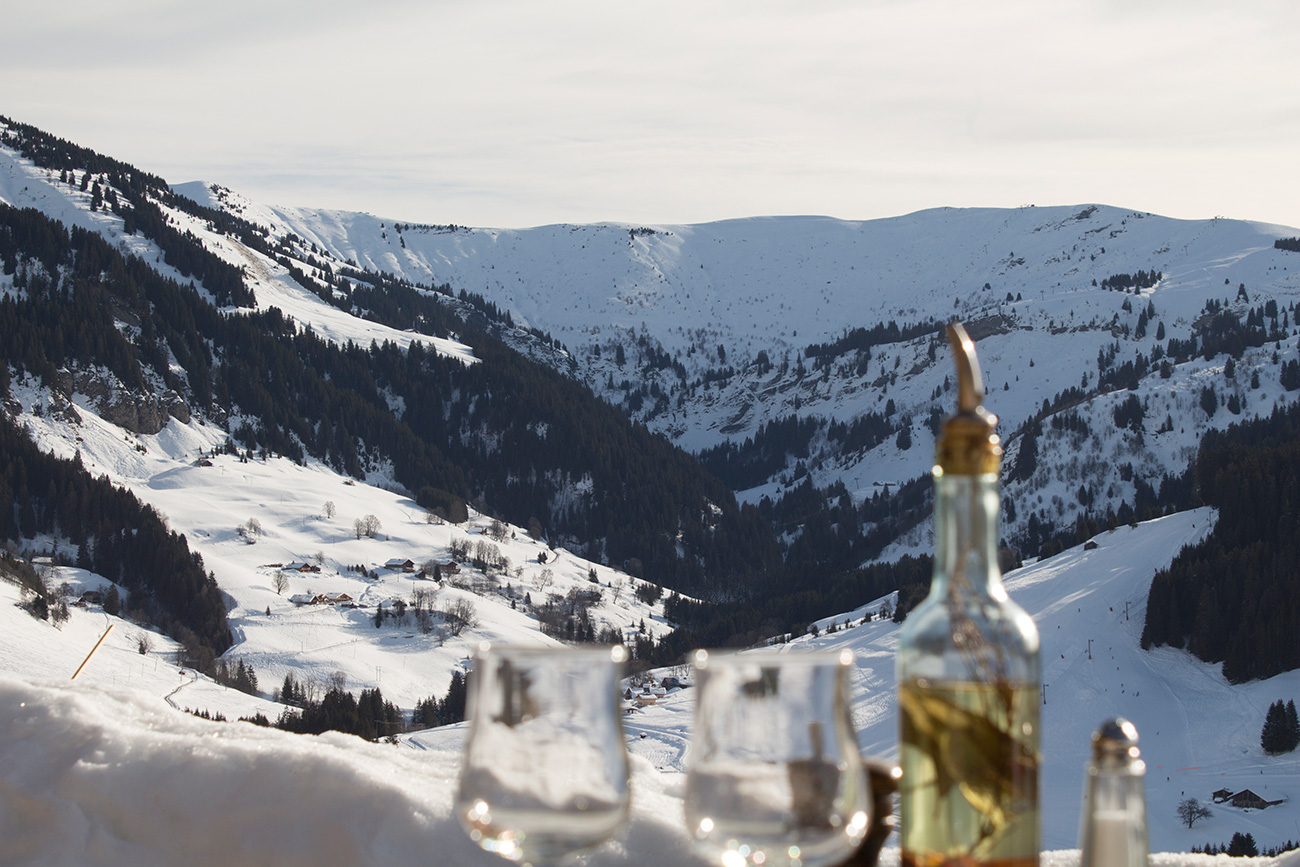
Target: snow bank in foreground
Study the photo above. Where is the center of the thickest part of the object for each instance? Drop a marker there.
(89, 776)
(93, 777)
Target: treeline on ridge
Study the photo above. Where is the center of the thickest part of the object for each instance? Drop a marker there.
(181, 250)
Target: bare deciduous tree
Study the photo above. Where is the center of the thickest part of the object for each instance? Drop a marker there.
(330, 509)
(422, 599)
(1190, 810)
(250, 530)
(280, 583)
(460, 615)
(367, 526)
(311, 688)
(459, 549)
(487, 556)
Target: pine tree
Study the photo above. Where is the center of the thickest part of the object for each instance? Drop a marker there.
(452, 708)
(1242, 845)
(904, 439)
(291, 693)
(1273, 736)
(112, 601)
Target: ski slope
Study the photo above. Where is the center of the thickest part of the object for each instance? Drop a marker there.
(1198, 732)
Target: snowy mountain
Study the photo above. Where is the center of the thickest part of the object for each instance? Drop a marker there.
(305, 533)
(710, 333)
(299, 545)
(308, 400)
(310, 358)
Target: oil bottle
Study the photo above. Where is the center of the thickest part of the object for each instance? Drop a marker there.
(968, 667)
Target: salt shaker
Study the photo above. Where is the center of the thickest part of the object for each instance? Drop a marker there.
(1113, 830)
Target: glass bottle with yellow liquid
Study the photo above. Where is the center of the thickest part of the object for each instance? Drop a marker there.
(968, 667)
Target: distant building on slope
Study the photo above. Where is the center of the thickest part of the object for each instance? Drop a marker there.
(323, 599)
(1247, 798)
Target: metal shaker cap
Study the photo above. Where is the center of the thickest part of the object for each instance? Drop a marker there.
(1116, 743)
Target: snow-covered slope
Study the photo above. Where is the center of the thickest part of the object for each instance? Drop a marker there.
(132, 660)
(24, 185)
(782, 283)
(248, 520)
(308, 514)
(712, 322)
(1198, 733)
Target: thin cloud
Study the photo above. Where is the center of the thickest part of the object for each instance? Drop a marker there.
(516, 113)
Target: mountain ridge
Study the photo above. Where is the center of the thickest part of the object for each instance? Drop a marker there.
(677, 382)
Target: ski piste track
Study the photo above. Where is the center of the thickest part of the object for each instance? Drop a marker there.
(193, 675)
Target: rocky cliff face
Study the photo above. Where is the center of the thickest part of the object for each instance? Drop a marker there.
(138, 412)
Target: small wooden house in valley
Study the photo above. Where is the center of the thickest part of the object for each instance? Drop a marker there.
(1247, 798)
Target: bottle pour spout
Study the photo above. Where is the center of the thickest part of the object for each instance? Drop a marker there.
(970, 384)
(968, 444)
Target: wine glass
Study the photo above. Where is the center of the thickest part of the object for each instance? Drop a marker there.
(545, 769)
(774, 774)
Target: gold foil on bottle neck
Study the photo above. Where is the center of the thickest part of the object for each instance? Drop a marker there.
(968, 445)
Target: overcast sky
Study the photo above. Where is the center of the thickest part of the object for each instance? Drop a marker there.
(515, 113)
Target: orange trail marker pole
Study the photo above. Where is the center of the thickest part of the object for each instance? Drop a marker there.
(92, 651)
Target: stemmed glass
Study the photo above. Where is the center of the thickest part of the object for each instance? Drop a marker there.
(774, 774)
(545, 770)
